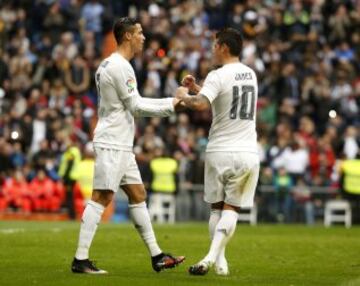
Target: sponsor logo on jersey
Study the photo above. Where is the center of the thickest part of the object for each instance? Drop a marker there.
(130, 83)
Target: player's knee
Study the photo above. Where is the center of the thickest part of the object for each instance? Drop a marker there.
(217, 206)
(137, 197)
(103, 197)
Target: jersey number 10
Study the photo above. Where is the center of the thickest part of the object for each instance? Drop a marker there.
(247, 102)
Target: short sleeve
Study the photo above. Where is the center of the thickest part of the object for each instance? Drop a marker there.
(211, 86)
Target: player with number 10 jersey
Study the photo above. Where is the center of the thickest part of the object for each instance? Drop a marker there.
(231, 161)
(232, 92)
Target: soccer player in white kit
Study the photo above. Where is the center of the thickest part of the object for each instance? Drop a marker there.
(115, 165)
(231, 161)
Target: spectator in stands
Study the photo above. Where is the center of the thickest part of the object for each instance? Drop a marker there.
(77, 76)
(164, 179)
(339, 24)
(5, 154)
(41, 156)
(44, 160)
(303, 201)
(342, 89)
(283, 184)
(16, 193)
(68, 171)
(91, 19)
(351, 143)
(150, 139)
(20, 70)
(84, 183)
(46, 195)
(350, 172)
(39, 128)
(72, 13)
(163, 172)
(54, 22)
(289, 83)
(58, 95)
(67, 46)
(17, 157)
(295, 159)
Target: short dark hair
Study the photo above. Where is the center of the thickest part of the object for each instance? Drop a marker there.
(121, 26)
(232, 38)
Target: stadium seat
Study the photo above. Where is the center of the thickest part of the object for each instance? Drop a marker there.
(249, 215)
(162, 208)
(332, 209)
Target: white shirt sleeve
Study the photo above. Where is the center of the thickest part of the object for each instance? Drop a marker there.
(149, 107)
(126, 86)
(211, 86)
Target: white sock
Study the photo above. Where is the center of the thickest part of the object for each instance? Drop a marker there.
(89, 222)
(223, 232)
(215, 216)
(141, 219)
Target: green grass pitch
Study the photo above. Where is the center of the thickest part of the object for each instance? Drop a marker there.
(39, 253)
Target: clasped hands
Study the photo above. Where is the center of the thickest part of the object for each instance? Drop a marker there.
(188, 85)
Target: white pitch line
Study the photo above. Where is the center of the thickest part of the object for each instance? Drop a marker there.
(11, 230)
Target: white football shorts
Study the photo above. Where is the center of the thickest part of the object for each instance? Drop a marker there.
(114, 168)
(231, 177)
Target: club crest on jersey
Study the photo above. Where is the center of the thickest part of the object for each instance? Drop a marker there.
(130, 83)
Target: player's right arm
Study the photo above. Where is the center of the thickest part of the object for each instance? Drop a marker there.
(190, 82)
(204, 95)
(197, 102)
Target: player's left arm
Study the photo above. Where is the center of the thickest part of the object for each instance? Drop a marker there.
(197, 102)
(140, 106)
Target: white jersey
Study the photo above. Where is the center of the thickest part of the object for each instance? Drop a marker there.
(119, 101)
(232, 91)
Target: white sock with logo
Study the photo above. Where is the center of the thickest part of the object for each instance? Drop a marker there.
(215, 216)
(142, 222)
(89, 223)
(224, 230)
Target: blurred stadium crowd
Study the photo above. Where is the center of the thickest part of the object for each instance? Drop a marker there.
(306, 54)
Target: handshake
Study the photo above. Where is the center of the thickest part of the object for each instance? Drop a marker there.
(188, 84)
